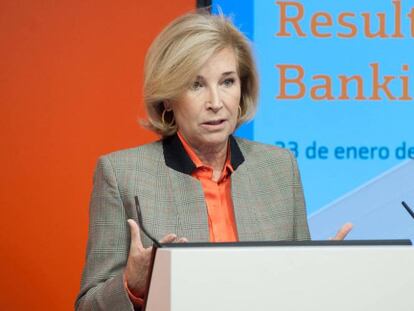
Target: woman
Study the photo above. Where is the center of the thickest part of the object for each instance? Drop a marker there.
(198, 183)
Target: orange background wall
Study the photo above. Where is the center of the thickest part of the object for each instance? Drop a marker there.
(70, 90)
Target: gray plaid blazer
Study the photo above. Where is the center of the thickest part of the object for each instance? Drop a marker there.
(267, 198)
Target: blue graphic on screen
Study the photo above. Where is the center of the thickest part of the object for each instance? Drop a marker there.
(337, 88)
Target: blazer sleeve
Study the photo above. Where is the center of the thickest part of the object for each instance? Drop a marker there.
(102, 286)
(301, 229)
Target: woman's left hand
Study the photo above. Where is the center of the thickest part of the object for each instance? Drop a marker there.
(343, 232)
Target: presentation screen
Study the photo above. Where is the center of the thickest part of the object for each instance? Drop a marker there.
(337, 89)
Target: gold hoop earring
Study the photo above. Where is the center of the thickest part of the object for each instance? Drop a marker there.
(239, 112)
(172, 122)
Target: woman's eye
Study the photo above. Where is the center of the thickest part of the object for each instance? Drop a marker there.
(228, 82)
(196, 85)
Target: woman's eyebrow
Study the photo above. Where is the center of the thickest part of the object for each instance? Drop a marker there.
(224, 74)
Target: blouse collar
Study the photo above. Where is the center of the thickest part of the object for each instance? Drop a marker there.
(178, 159)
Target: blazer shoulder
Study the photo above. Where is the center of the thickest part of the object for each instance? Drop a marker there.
(142, 151)
(144, 154)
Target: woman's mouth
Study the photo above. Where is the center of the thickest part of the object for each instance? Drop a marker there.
(214, 124)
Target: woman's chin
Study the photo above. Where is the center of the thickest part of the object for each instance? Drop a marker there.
(215, 139)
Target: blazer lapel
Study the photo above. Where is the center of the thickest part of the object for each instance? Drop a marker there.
(190, 207)
(244, 203)
(188, 194)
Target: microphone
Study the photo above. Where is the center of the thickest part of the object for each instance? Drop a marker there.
(141, 224)
(408, 209)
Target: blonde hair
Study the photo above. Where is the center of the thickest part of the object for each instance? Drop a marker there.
(177, 55)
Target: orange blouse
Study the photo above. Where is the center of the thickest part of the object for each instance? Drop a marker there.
(221, 222)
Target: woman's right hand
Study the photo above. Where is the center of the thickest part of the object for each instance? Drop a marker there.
(136, 270)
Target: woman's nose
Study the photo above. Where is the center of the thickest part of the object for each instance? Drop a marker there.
(214, 101)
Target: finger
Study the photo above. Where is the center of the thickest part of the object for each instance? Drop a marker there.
(169, 238)
(343, 232)
(136, 243)
(182, 240)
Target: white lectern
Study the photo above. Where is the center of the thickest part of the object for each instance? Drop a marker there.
(282, 278)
